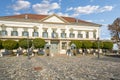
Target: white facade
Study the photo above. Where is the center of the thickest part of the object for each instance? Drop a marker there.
(54, 29)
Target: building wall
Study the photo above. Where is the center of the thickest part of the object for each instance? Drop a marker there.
(29, 26)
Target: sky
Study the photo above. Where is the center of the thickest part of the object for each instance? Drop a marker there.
(103, 12)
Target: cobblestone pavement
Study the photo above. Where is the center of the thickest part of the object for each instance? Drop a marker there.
(59, 68)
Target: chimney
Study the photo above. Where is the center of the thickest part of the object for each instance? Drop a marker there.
(26, 16)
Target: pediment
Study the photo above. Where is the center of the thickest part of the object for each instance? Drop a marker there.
(54, 19)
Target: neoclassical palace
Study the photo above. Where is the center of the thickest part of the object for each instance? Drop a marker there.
(57, 31)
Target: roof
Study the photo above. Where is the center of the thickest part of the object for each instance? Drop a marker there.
(37, 17)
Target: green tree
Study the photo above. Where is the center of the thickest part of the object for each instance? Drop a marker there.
(38, 43)
(95, 44)
(115, 31)
(1, 47)
(77, 43)
(86, 44)
(107, 45)
(24, 43)
(10, 44)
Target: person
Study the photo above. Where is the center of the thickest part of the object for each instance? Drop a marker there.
(68, 52)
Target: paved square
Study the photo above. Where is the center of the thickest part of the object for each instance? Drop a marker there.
(59, 68)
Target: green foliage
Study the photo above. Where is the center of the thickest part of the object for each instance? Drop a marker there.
(107, 45)
(86, 44)
(23, 43)
(95, 45)
(39, 43)
(77, 43)
(1, 47)
(10, 44)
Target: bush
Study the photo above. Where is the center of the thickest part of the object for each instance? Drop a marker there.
(38, 43)
(23, 43)
(77, 43)
(10, 44)
(1, 47)
(107, 45)
(86, 44)
(95, 45)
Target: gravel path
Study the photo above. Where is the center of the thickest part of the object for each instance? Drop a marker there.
(59, 68)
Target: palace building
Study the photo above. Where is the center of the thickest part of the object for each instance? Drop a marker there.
(58, 31)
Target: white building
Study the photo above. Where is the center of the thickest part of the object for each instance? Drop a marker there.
(58, 31)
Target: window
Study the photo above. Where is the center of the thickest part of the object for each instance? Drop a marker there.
(14, 33)
(80, 35)
(87, 34)
(45, 34)
(94, 34)
(3, 33)
(63, 34)
(35, 34)
(25, 33)
(64, 45)
(72, 35)
(54, 34)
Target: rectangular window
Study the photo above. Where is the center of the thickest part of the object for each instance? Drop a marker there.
(45, 35)
(14, 33)
(72, 35)
(80, 35)
(94, 35)
(64, 45)
(63, 35)
(25, 33)
(87, 34)
(3, 33)
(54, 34)
(35, 34)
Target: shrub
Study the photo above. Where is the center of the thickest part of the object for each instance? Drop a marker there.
(38, 43)
(1, 47)
(95, 45)
(86, 44)
(107, 45)
(10, 44)
(23, 43)
(77, 43)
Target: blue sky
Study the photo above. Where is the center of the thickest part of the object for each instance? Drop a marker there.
(99, 11)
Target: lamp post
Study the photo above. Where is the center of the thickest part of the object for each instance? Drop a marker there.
(98, 47)
(28, 46)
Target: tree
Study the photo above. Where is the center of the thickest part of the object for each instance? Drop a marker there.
(95, 45)
(38, 43)
(115, 31)
(86, 44)
(107, 45)
(1, 47)
(23, 43)
(10, 44)
(77, 43)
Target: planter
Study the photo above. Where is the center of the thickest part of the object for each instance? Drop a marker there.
(17, 55)
(2, 50)
(24, 51)
(35, 50)
(15, 51)
(1, 55)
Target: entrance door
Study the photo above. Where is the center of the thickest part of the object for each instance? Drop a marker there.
(54, 47)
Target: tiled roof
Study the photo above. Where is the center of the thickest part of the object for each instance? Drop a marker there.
(40, 17)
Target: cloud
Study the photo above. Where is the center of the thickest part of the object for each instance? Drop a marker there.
(88, 9)
(45, 7)
(16, 13)
(106, 8)
(21, 5)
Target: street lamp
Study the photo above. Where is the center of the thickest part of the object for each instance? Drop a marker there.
(98, 47)
(28, 46)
